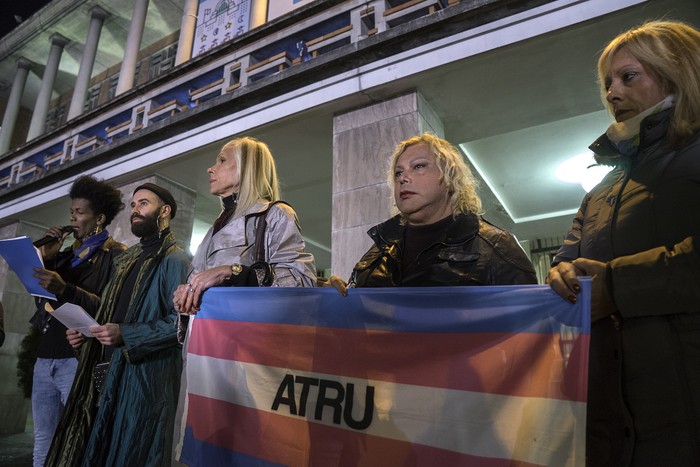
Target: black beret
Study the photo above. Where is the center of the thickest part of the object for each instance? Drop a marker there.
(162, 193)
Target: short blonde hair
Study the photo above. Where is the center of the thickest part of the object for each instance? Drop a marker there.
(461, 183)
(256, 172)
(671, 51)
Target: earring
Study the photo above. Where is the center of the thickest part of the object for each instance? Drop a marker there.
(96, 230)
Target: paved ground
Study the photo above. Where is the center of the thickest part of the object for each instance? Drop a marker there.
(16, 450)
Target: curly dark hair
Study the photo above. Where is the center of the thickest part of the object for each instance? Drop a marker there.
(103, 197)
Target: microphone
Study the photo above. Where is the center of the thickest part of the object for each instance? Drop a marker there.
(50, 238)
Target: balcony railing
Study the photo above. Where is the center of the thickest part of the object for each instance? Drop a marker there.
(244, 66)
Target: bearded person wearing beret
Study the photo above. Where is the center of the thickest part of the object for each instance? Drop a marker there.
(122, 405)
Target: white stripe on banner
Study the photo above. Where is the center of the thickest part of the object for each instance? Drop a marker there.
(536, 430)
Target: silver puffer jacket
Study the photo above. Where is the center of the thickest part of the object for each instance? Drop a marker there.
(284, 246)
(234, 243)
(644, 373)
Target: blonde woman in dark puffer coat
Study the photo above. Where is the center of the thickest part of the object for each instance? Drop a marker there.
(637, 234)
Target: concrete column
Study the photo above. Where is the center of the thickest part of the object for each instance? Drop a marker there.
(13, 103)
(182, 225)
(363, 141)
(188, 28)
(133, 45)
(258, 13)
(97, 17)
(41, 109)
(19, 307)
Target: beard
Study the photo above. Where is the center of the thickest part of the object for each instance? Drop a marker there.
(147, 227)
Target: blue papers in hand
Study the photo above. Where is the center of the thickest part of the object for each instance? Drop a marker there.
(22, 257)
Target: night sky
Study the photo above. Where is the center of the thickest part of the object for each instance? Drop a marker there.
(22, 8)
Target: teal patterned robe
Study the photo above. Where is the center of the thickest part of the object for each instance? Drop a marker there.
(133, 422)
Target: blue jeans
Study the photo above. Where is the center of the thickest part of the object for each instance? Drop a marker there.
(52, 382)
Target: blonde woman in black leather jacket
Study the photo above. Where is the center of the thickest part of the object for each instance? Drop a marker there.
(438, 238)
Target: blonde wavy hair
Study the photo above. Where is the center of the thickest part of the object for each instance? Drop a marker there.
(256, 172)
(671, 51)
(461, 183)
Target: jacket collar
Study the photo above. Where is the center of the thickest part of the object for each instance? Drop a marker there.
(111, 243)
(257, 209)
(390, 232)
(254, 210)
(652, 129)
(230, 235)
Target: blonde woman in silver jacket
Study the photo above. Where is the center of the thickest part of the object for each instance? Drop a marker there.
(245, 178)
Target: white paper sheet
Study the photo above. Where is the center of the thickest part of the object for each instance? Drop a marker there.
(74, 317)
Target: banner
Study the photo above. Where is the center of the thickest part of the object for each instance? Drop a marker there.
(218, 22)
(441, 376)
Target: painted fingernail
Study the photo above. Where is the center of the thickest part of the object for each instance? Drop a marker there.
(572, 299)
(577, 288)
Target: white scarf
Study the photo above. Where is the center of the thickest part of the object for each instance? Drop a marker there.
(625, 135)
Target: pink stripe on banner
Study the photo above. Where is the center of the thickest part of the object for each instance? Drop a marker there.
(295, 442)
(527, 365)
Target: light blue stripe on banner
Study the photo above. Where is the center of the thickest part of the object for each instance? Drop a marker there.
(531, 308)
(196, 452)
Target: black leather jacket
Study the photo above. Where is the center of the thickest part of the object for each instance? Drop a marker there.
(471, 252)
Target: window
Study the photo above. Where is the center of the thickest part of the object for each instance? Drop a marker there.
(55, 118)
(93, 98)
(112, 87)
(162, 61)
